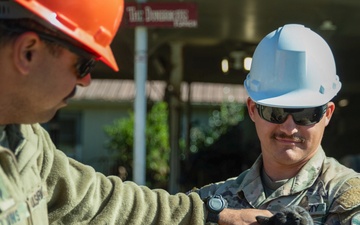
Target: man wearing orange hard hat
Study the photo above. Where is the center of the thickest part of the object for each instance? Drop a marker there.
(48, 47)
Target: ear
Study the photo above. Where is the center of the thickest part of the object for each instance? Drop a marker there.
(25, 48)
(329, 112)
(251, 108)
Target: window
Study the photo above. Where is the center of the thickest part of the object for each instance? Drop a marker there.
(64, 130)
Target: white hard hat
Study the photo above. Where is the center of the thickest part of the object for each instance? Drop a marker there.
(292, 67)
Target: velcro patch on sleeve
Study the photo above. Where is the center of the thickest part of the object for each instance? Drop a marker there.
(351, 197)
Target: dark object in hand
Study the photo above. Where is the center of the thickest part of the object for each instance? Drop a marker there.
(292, 215)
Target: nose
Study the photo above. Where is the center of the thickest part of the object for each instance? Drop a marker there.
(84, 81)
(289, 126)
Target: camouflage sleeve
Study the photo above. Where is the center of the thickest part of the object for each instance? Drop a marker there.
(346, 207)
(206, 190)
(219, 187)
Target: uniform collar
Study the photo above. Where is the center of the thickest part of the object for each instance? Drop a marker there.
(252, 188)
(3, 138)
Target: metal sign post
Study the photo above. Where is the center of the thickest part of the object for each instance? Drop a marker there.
(139, 163)
(142, 15)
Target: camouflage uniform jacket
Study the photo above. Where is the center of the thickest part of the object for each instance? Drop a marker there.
(329, 190)
(39, 185)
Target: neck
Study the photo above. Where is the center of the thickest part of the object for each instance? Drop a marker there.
(278, 172)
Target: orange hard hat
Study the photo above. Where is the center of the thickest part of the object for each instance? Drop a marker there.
(92, 23)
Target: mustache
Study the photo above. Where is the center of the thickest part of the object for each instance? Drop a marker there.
(294, 137)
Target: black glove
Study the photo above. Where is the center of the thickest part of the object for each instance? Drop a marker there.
(292, 215)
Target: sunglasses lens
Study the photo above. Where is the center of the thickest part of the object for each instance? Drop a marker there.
(271, 114)
(301, 116)
(85, 66)
(310, 115)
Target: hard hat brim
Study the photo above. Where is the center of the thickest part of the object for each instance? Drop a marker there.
(296, 99)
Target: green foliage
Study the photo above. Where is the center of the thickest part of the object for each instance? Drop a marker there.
(158, 146)
(121, 137)
(229, 114)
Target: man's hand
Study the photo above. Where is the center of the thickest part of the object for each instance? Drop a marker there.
(292, 215)
(241, 216)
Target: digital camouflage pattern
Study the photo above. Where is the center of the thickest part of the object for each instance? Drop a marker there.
(327, 189)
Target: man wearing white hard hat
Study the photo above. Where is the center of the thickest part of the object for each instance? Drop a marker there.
(290, 85)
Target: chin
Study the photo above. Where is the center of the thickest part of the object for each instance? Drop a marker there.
(293, 155)
(46, 116)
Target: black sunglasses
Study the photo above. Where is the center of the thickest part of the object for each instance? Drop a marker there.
(301, 116)
(86, 61)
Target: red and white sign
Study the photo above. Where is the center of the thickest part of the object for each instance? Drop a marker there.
(161, 14)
